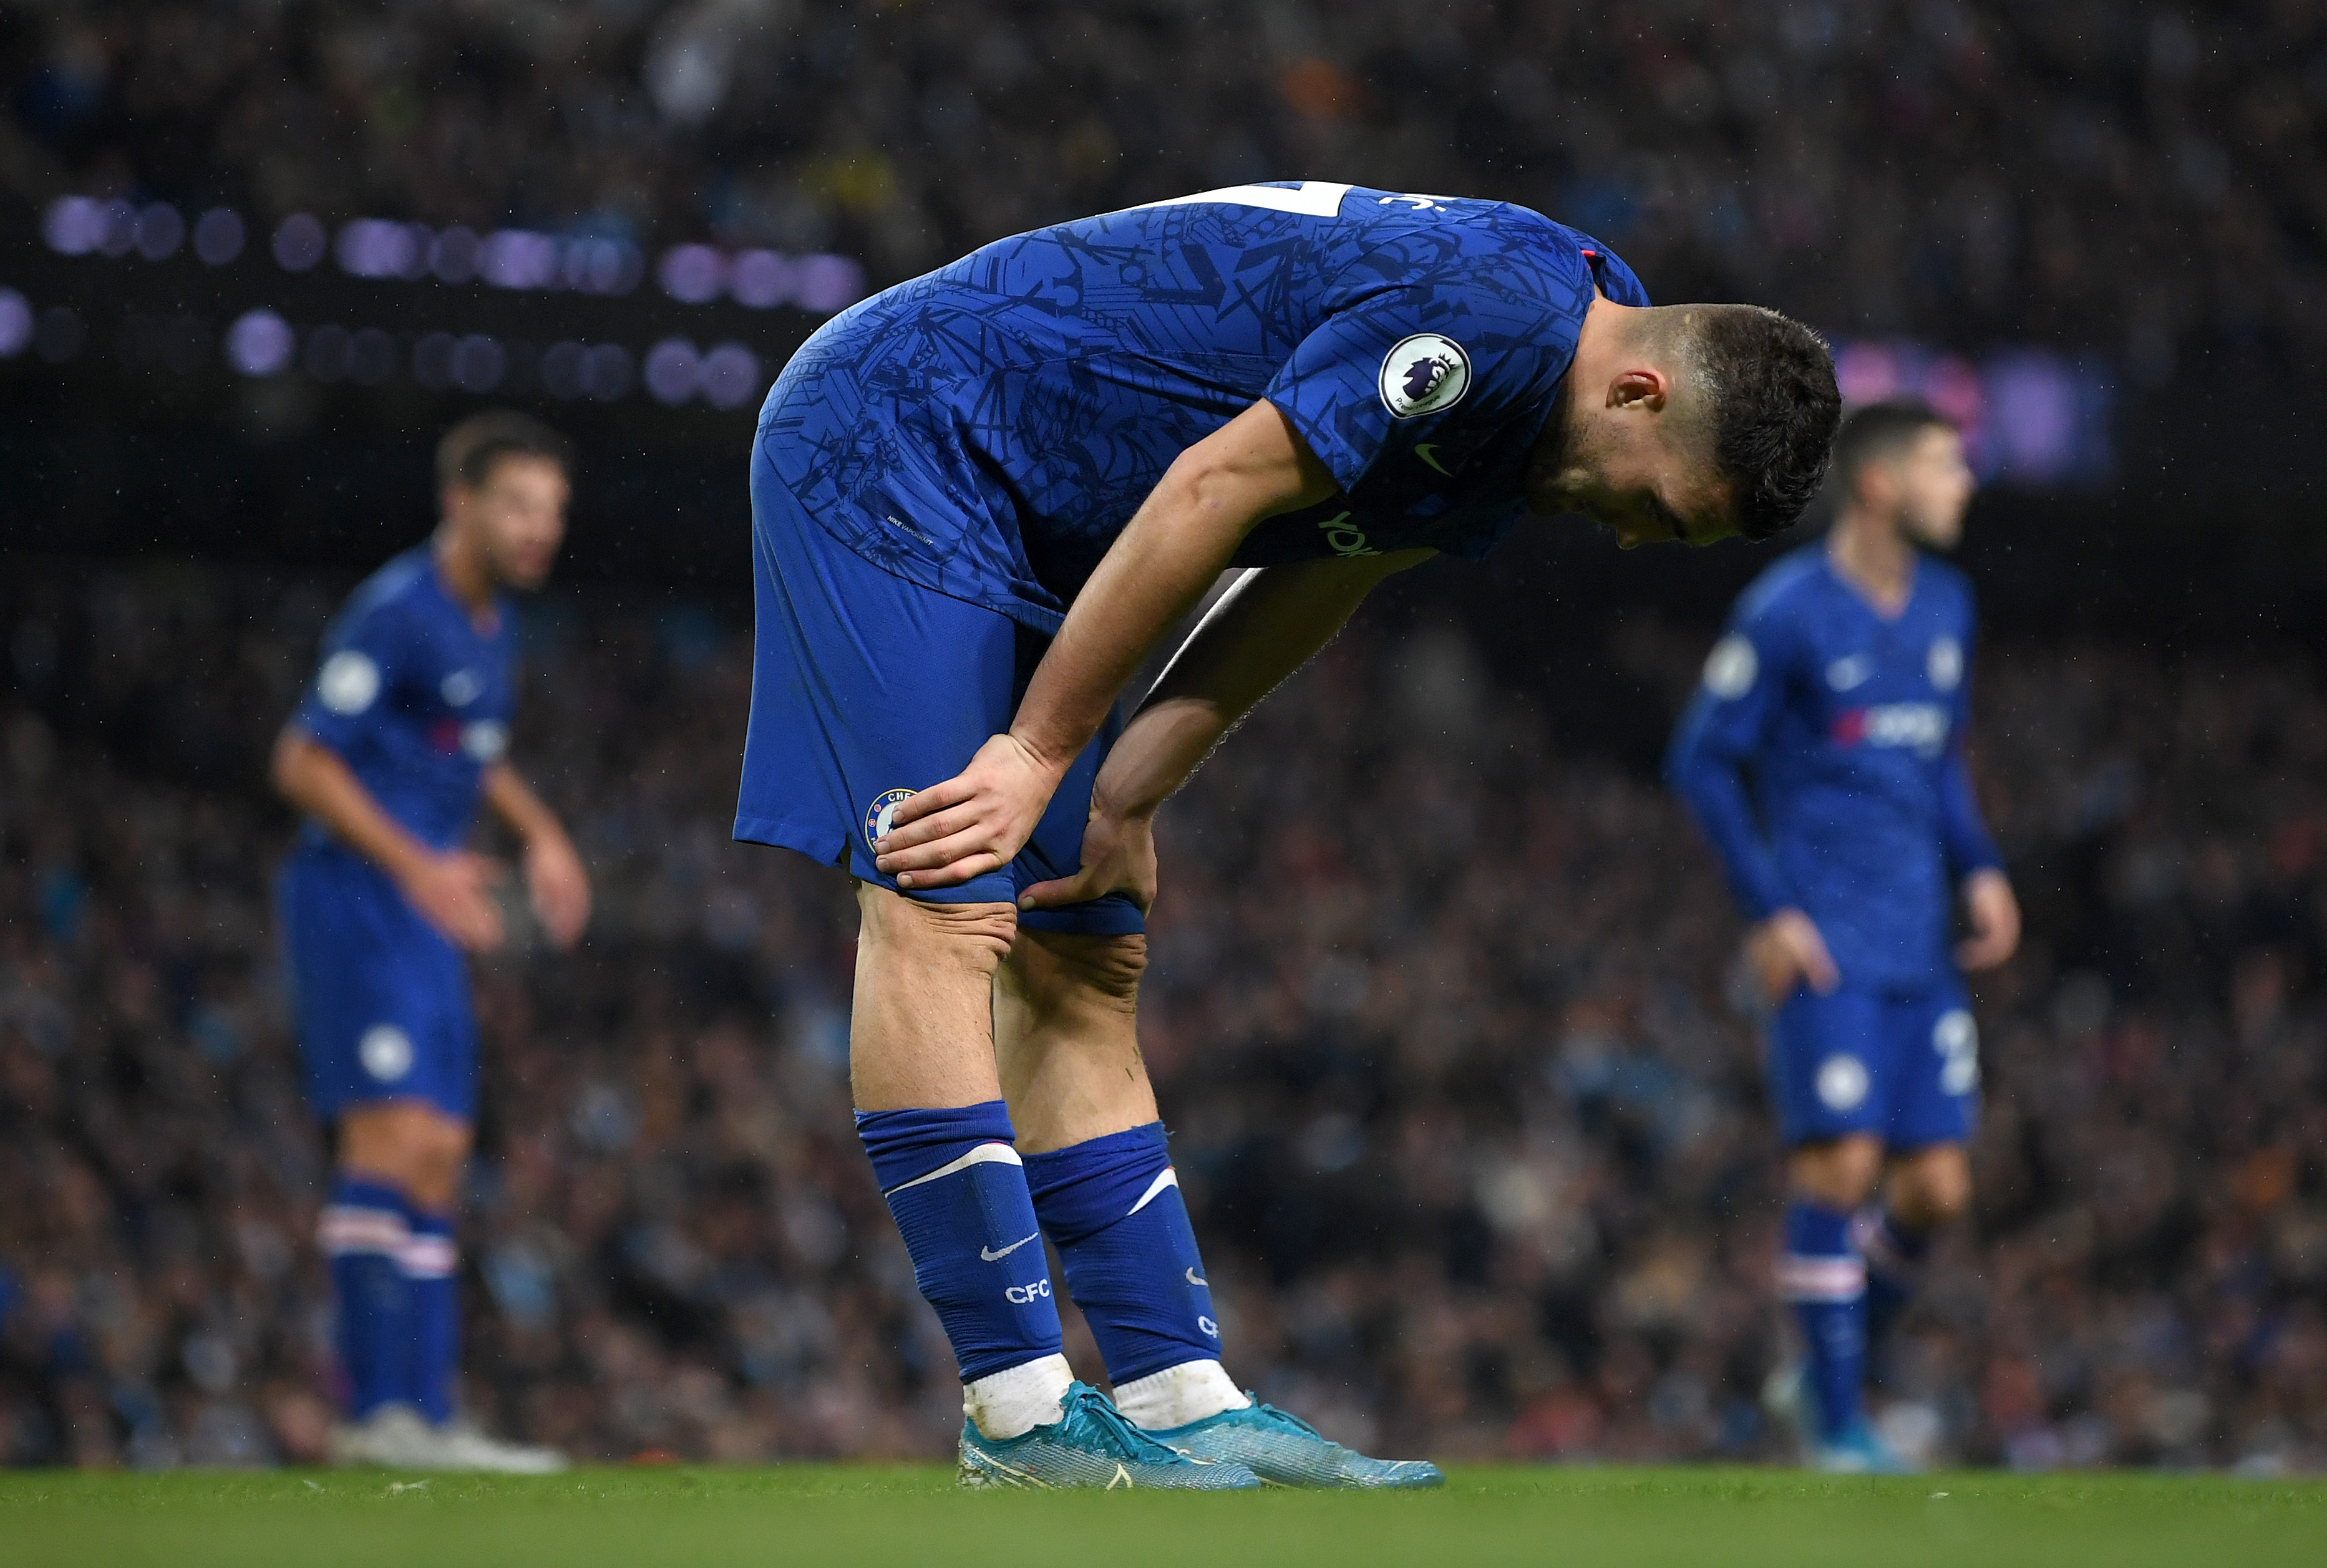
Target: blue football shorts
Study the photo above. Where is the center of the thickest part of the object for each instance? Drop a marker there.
(381, 1001)
(866, 689)
(1902, 1066)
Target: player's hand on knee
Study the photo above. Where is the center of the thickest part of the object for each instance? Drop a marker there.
(1785, 950)
(454, 892)
(1118, 857)
(971, 824)
(1995, 916)
(559, 888)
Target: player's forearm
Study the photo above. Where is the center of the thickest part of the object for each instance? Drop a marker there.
(1181, 539)
(511, 799)
(1262, 630)
(313, 779)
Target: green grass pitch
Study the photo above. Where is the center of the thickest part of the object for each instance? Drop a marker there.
(848, 1515)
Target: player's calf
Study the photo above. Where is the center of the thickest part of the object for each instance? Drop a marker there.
(1112, 1206)
(1822, 1278)
(1066, 1036)
(958, 1190)
(1928, 1189)
(933, 1123)
(921, 1026)
(388, 1232)
(1066, 1044)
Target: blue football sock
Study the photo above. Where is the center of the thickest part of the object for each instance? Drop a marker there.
(431, 1270)
(1824, 1280)
(958, 1190)
(1894, 1251)
(365, 1230)
(1112, 1208)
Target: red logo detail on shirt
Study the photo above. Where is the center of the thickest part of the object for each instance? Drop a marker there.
(444, 735)
(1918, 727)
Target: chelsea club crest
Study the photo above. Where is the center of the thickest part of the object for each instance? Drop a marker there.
(883, 809)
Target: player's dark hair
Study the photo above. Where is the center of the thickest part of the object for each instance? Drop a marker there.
(466, 454)
(1874, 432)
(1774, 409)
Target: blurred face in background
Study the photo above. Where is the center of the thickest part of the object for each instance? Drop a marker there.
(1925, 488)
(516, 517)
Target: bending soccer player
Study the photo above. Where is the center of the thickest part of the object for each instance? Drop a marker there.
(1842, 687)
(980, 501)
(404, 729)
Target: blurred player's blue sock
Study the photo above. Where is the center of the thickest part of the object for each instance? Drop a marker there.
(959, 1192)
(1894, 1251)
(1112, 1208)
(432, 1269)
(365, 1230)
(1824, 1280)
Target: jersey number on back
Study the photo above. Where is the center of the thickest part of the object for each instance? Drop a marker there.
(1310, 199)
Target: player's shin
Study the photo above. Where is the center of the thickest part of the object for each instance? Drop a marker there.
(958, 1190)
(1112, 1206)
(1822, 1278)
(365, 1231)
(430, 1263)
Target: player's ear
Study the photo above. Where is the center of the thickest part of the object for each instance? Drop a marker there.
(1642, 386)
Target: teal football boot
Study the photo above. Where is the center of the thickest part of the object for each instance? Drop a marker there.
(1859, 1451)
(1090, 1445)
(1286, 1451)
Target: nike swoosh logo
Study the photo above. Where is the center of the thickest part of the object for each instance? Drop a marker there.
(992, 1256)
(1426, 451)
(1196, 1279)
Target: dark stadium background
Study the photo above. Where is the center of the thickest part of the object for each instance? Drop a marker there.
(1440, 1017)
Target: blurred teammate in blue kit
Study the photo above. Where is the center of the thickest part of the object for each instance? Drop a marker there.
(402, 730)
(980, 500)
(1824, 757)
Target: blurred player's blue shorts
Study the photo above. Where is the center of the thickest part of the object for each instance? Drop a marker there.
(1902, 1066)
(381, 1001)
(866, 689)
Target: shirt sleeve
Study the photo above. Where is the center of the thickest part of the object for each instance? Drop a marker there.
(1446, 357)
(1719, 736)
(364, 661)
(1963, 831)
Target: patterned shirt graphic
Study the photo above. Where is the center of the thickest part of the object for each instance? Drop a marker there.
(987, 430)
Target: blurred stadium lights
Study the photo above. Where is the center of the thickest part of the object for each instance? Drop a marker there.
(218, 235)
(511, 258)
(16, 324)
(2028, 416)
(288, 330)
(259, 343)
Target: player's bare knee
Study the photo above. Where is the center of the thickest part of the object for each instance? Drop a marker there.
(1933, 1189)
(973, 936)
(1840, 1173)
(1108, 967)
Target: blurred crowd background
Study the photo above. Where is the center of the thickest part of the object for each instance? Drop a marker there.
(1440, 1011)
(2123, 178)
(1442, 1007)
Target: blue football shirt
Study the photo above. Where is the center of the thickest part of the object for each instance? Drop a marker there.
(1850, 725)
(986, 430)
(414, 697)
